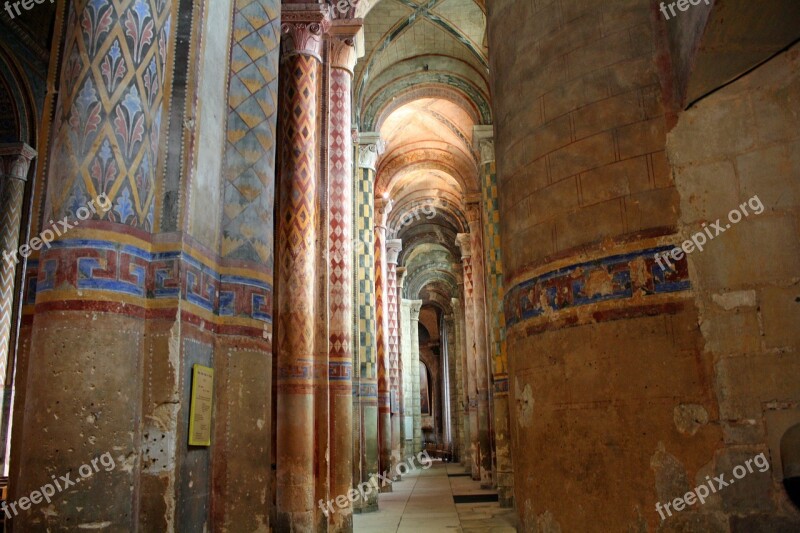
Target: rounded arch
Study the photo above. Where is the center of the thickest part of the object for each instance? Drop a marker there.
(18, 116)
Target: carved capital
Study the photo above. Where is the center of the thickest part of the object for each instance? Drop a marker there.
(343, 43)
(302, 29)
(463, 242)
(483, 141)
(472, 203)
(414, 307)
(383, 206)
(393, 247)
(370, 148)
(401, 277)
(15, 160)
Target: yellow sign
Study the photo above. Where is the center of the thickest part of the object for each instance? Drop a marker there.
(200, 407)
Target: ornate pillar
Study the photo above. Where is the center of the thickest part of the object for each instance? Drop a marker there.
(464, 242)
(365, 445)
(383, 207)
(403, 316)
(393, 248)
(481, 344)
(302, 32)
(340, 230)
(85, 372)
(463, 381)
(15, 160)
(414, 308)
(483, 138)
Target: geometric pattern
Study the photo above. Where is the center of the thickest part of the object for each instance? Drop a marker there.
(381, 322)
(298, 218)
(393, 310)
(571, 287)
(249, 168)
(108, 117)
(494, 276)
(340, 232)
(364, 283)
(11, 193)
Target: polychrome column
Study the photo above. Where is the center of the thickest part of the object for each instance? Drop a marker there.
(383, 207)
(463, 382)
(301, 47)
(402, 379)
(464, 242)
(414, 309)
(340, 230)
(365, 396)
(481, 341)
(483, 139)
(393, 247)
(15, 160)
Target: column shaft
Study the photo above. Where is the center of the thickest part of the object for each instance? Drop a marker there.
(296, 258)
(472, 364)
(392, 250)
(382, 323)
(416, 305)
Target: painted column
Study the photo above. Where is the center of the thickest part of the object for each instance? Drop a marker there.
(301, 46)
(414, 308)
(463, 382)
(402, 366)
(393, 247)
(340, 230)
(464, 242)
(365, 448)
(383, 207)
(104, 140)
(481, 341)
(483, 139)
(454, 358)
(15, 160)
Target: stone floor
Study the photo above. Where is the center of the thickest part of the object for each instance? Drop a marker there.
(423, 503)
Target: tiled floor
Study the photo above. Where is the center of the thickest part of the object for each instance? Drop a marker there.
(423, 503)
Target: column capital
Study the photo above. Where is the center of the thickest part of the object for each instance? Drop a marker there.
(463, 242)
(483, 141)
(473, 207)
(414, 307)
(383, 206)
(302, 28)
(15, 160)
(343, 33)
(401, 277)
(370, 147)
(393, 247)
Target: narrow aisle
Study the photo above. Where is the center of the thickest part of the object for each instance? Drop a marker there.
(424, 502)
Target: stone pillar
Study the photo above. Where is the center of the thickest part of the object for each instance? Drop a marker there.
(340, 230)
(393, 248)
(403, 315)
(84, 386)
(414, 308)
(383, 207)
(296, 253)
(15, 160)
(481, 344)
(483, 139)
(365, 445)
(463, 382)
(464, 242)
(454, 357)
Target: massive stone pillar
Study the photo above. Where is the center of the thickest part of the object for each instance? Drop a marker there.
(464, 242)
(483, 139)
(89, 344)
(414, 308)
(365, 394)
(301, 45)
(383, 207)
(15, 160)
(340, 230)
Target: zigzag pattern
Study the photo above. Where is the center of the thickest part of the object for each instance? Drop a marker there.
(383, 371)
(11, 192)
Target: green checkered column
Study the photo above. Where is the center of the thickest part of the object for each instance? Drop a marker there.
(484, 143)
(365, 379)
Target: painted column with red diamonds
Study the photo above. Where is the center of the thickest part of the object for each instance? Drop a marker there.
(393, 247)
(340, 239)
(383, 207)
(296, 254)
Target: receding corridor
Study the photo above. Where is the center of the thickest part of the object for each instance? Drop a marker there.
(424, 502)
